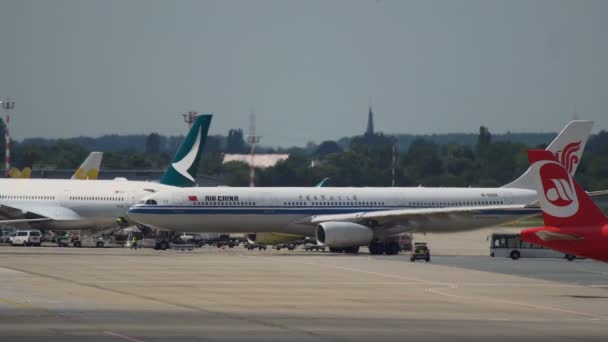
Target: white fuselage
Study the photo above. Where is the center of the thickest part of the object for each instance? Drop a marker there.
(73, 204)
(225, 209)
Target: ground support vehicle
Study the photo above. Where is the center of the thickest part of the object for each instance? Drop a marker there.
(420, 252)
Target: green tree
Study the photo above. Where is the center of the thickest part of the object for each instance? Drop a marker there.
(235, 142)
(153, 143)
(327, 147)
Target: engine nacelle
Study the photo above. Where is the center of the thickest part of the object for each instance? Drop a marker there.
(272, 238)
(343, 234)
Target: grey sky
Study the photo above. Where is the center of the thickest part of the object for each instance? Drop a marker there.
(307, 67)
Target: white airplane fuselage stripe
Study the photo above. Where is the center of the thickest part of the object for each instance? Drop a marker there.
(280, 209)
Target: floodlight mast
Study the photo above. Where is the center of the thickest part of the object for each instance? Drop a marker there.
(190, 117)
(253, 140)
(7, 106)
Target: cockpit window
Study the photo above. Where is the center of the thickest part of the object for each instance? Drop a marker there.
(151, 202)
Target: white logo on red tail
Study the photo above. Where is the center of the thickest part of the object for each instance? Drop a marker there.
(568, 157)
(559, 194)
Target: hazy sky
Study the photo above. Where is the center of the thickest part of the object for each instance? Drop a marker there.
(307, 68)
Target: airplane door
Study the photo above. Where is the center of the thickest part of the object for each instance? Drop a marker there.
(64, 198)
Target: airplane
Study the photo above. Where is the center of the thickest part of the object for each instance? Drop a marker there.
(346, 218)
(573, 223)
(89, 169)
(17, 173)
(75, 204)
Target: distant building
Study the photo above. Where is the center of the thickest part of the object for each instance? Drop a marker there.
(370, 123)
(261, 161)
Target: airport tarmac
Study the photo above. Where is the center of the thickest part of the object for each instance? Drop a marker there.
(210, 294)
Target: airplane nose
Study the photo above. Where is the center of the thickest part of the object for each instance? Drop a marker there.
(135, 214)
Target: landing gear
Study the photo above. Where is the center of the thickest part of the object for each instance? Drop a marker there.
(336, 250)
(376, 248)
(161, 245)
(391, 248)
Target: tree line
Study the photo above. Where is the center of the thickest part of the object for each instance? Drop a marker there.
(479, 159)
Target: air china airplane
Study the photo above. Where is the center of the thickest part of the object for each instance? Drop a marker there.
(346, 218)
(573, 223)
(94, 204)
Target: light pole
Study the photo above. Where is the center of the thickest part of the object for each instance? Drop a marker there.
(253, 140)
(394, 161)
(7, 106)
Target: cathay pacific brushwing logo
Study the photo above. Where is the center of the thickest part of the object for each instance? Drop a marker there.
(183, 165)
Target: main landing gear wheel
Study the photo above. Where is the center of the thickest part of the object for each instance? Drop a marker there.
(336, 250)
(376, 248)
(391, 248)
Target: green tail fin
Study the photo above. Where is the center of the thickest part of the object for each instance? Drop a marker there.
(183, 169)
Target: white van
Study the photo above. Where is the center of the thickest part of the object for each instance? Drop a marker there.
(25, 238)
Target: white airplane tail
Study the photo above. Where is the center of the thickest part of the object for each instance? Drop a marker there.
(89, 169)
(568, 149)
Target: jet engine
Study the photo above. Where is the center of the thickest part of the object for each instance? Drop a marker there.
(343, 234)
(272, 238)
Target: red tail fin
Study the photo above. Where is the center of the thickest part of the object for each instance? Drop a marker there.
(562, 200)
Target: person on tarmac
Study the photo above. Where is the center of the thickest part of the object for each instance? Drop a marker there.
(134, 242)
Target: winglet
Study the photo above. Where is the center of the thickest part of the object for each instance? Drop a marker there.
(184, 167)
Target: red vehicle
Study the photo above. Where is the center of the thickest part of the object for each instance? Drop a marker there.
(573, 223)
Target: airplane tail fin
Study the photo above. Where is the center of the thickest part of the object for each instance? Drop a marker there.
(16, 173)
(184, 167)
(562, 200)
(568, 149)
(89, 169)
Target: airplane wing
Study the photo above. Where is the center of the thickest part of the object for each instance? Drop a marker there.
(30, 212)
(597, 193)
(412, 216)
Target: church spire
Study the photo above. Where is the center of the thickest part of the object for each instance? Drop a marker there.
(370, 122)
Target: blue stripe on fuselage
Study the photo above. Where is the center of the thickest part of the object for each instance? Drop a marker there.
(253, 210)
